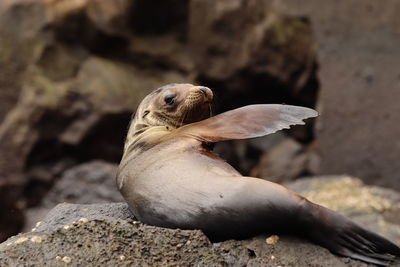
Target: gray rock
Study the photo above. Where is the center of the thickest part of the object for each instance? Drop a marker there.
(91, 182)
(108, 235)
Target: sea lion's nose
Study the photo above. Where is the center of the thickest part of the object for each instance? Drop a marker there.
(204, 90)
(208, 94)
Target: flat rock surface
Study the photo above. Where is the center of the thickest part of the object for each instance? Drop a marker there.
(108, 235)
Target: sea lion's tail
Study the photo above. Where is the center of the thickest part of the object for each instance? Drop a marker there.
(344, 237)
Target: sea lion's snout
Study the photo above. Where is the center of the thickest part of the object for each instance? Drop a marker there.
(207, 93)
(204, 92)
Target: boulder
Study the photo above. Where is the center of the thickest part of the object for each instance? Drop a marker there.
(107, 234)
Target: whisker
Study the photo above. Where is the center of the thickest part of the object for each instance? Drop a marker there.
(189, 112)
(183, 117)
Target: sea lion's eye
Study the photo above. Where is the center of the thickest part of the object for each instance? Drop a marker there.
(169, 99)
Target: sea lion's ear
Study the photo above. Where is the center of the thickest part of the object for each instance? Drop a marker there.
(247, 122)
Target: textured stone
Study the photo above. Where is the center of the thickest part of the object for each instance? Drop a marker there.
(107, 234)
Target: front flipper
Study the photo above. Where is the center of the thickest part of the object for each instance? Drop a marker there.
(247, 122)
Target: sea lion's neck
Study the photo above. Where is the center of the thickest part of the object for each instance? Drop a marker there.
(142, 139)
(147, 134)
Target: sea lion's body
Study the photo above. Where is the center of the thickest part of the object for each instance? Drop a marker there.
(170, 179)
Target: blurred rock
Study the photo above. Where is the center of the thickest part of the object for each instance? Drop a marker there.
(92, 182)
(88, 183)
(358, 131)
(107, 234)
(19, 23)
(229, 36)
(115, 86)
(13, 222)
(111, 17)
(284, 162)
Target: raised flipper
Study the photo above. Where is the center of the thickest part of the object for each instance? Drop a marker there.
(247, 122)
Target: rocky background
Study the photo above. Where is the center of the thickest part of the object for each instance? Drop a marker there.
(73, 71)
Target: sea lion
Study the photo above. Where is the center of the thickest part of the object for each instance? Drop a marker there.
(170, 178)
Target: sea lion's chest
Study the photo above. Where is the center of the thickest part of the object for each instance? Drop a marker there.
(176, 173)
(176, 159)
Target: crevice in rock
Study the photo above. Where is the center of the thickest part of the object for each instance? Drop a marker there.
(251, 253)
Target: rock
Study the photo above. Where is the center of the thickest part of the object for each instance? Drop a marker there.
(358, 129)
(115, 86)
(19, 22)
(88, 183)
(284, 162)
(92, 182)
(232, 35)
(107, 234)
(13, 222)
(111, 17)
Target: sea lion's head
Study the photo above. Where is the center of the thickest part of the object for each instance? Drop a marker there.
(173, 105)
